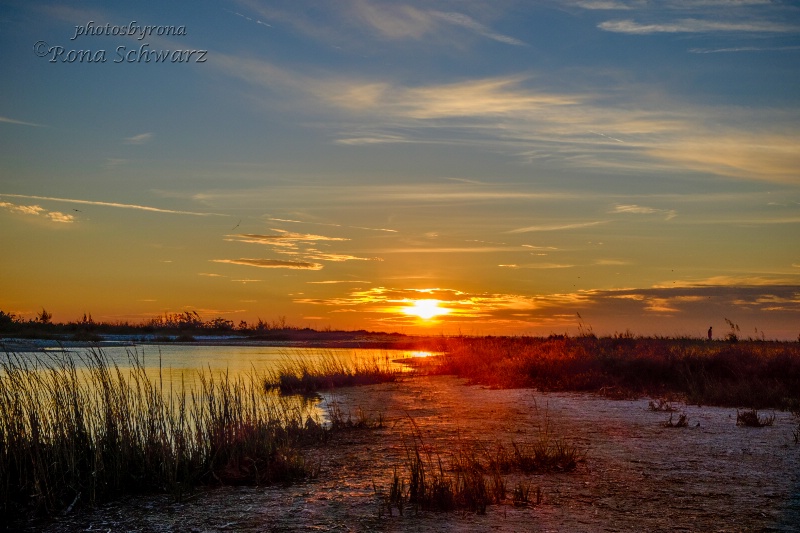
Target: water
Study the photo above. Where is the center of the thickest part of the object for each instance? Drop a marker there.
(177, 364)
(178, 369)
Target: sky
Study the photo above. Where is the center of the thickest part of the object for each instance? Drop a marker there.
(437, 167)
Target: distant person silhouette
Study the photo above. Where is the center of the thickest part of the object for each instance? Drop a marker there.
(709, 333)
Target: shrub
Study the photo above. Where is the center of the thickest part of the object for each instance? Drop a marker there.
(751, 419)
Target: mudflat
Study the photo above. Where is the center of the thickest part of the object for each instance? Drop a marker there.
(636, 474)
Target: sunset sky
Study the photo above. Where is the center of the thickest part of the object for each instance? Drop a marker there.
(509, 163)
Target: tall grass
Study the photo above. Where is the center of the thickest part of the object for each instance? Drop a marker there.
(754, 374)
(299, 374)
(78, 430)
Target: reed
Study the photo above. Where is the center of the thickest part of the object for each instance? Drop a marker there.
(77, 430)
(299, 374)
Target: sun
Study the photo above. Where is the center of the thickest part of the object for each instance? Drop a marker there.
(426, 309)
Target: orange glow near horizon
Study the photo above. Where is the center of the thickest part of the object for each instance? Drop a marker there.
(426, 309)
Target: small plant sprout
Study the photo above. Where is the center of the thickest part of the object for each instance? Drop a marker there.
(682, 422)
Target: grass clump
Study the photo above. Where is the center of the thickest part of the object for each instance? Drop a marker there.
(751, 418)
(339, 420)
(682, 422)
(470, 477)
(301, 375)
(521, 495)
(77, 430)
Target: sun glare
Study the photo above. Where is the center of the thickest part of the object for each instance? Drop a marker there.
(425, 309)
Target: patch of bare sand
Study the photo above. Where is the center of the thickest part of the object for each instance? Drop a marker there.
(637, 476)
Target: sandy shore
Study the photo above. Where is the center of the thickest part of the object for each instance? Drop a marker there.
(637, 476)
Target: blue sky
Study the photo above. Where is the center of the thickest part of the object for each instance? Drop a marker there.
(520, 162)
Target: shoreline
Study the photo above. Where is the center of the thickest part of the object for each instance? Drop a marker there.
(21, 344)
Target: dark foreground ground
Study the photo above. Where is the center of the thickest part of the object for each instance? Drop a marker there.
(637, 475)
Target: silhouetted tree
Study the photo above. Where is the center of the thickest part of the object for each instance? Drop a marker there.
(44, 317)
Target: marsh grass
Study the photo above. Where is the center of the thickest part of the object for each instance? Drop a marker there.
(299, 374)
(470, 476)
(751, 418)
(521, 495)
(756, 374)
(78, 430)
(339, 420)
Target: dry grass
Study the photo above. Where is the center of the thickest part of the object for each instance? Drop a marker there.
(82, 431)
(753, 420)
(470, 476)
(756, 374)
(682, 422)
(298, 374)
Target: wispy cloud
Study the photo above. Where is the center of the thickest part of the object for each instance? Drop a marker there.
(299, 245)
(321, 256)
(57, 216)
(394, 21)
(336, 282)
(271, 263)
(330, 224)
(451, 250)
(538, 266)
(283, 238)
(558, 227)
(743, 49)
(23, 209)
(745, 155)
(669, 214)
(510, 114)
(111, 204)
(602, 5)
(694, 4)
(378, 138)
(8, 120)
(738, 281)
(249, 19)
(692, 25)
(36, 210)
(464, 21)
(141, 138)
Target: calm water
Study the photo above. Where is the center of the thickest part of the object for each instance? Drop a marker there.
(178, 367)
(176, 364)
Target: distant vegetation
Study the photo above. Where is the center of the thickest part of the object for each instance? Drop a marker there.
(169, 327)
(756, 374)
